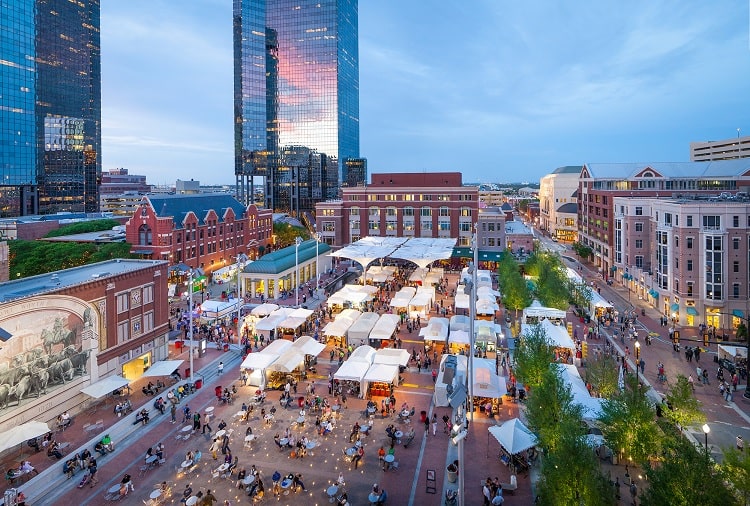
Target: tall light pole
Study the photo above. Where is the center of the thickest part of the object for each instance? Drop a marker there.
(458, 440)
(317, 267)
(472, 318)
(241, 259)
(190, 320)
(297, 242)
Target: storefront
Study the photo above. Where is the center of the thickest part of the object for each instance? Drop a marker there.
(134, 369)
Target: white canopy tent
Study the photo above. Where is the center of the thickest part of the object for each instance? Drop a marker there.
(277, 347)
(308, 346)
(288, 361)
(486, 290)
(425, 250)
(264, 309)
(514, 436)
(368, 249)
(392, 356)
(383, 373)
(487, 332)
(291, 322)
(162, 368)
(105, 386)
(592, 406)
(400, 300)
(557, 335)
(360, 329)
(487, 307)
(459, 337)
(460, 322)
(385, 327)
(272, 321)
(420, 304)
(214, 309)
(436, 329)
(462, 300)
(352, 370)
(599, 302)
(352, 294)
(340, 325)
(21, 433)
(536, 310)
(259, 362)
(363, 354)
(380, 274)
(486, 382)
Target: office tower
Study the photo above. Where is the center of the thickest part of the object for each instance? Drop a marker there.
(296, 98)
(50, 106)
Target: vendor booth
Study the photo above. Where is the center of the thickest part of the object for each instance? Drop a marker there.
(351, 296)
(487, 306)
(487, 334)
(350, 376)
(460, 322)
(592, 406)
(380, 379)
(339, 327)
(359, 332)
(310, 348)
(458, 342)
(213, 310)
(599, 305)
(293, 324)
(257, 363)
(268, 325)
(363, 353)
(536, 312)
(488, 387)
(392, 356)
(451, 374)
(264, 309)
(384, 330)
(288, 366)
(436, 331)
(558, 337)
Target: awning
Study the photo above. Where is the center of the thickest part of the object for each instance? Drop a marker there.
(259, 360)
(105, 386)
(382, 373)
(738, 313)
(692, 311)
(21, 433)
(653, 293)
(308, 346)
(674, 307)
(162, 368)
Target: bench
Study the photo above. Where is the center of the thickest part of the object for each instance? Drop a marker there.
(512, 486)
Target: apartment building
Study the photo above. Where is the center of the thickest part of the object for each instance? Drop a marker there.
(558, 203)
(689, 257)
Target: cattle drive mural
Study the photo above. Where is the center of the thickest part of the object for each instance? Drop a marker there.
(45, 351)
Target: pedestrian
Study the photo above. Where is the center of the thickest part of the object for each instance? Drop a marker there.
(426, 425)
(735, 381)
(697, 353)
(173, 412)
(358, 456)
(221, 367)
(343, 398)
(642, 365)
(434, 424)
(206, 420)
(434, 375)
(691, 382)
(92, 468)
(196, 421)
(740, 443)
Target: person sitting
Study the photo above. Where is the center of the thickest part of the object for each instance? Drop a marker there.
(146, 391)
(256, 489)
(277, 440)
(54, 451)
(141, 417)
(69, 468)
(222, 425)
(127, 406)
(233, 465)
(248, 431)
(160, 450)
(276, 478)
(297, 483)
(99, 447)
(160, 384)
(380, 494)
(149, 453)
(190, 456)
(409, 437)
(240, 476)
(343, 499)
(188, 492)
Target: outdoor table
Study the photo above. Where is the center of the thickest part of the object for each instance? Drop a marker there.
(398, 435)
(240, 413)
(150, 460)
(351, 451)
(223, 467)
(268, 417)
(405, 413)
(114, 489)
(331, 492)
(209, 409)
(364, 429)
(301, 420)
(187, 428)
(371, 410)
(62, 446)
(311, 445)
(335, 408)
(250, 437)
(221, 433)
(373, 497)
(284, 441)
(389, 460)
(155, 494)
(286, 484)
(186, 463)
(192, 500)
(248, 479)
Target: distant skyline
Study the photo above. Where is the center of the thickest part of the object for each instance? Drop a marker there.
(500, 92)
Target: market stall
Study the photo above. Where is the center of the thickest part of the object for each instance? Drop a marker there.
(451, 374)
(392, 356)
(359, 332)
(384, 330)
(289, 365)
(213, 310)
(460, 322)
(458, 342)
(350, 376)
(380, 379)
(592, 406)
(558, 337)
(268, 325)
(310, 348)
(598, 305)
(363, 354)
(536, 312)
(264, 309)
(436, 330)
(420, 304)
(487, 334)
(257, 363)
(337, 330)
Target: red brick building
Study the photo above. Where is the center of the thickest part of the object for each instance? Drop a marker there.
(205, 231)
(401, 205)
(75, 327)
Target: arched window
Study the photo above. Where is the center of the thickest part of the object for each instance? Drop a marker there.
(144, 235)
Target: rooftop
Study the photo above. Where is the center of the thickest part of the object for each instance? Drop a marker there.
(53, 281)
(178, 206)
(622, 171)
(517, 227)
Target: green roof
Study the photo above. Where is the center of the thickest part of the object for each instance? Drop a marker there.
(285, 258)
(178, 206)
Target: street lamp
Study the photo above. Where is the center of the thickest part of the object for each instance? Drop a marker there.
(317, 267)
(190, 319)
(706, 430)
(297, 242)
(241, 259)
(637, 352)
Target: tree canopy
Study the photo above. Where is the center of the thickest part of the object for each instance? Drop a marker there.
(29, 258)
(533, 356)
(84, 227)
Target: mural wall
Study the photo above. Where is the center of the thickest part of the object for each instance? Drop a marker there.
(46, 343)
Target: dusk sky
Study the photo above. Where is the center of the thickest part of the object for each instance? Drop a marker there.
(500, 91)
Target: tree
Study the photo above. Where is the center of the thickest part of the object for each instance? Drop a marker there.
(741, 331)
(84, 228)
(736, 470)
(683, 408)
(515, 292)
(602, 374)
(683, 476)
(582, 250)
(628, 422)
(286, 234)
(533, 355)
(30, 258)
(580, 294)
(552, 286)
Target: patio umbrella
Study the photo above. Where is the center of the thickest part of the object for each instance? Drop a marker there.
(514, 436)
(21, 433)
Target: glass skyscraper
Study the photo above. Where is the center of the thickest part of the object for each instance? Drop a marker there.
(296, 99)
(50, 106)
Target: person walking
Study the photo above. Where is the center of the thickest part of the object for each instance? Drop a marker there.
(740, 443)
(434, 424)
(173, 412)
(221, 367)
(206, 421)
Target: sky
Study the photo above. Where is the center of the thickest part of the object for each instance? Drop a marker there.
(500, 91)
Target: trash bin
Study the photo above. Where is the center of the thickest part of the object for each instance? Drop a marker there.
(452, 473)
(423, 416)
(198, 384)
(178, 345)
(226, 347)
(187, 373)
(217, 391)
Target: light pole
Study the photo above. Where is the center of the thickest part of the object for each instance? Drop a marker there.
(472, 318)
(706, 430)
(190, 320)
(637, 346)
(297, 242)
(458, 440)
(241, 259)
(317, 267)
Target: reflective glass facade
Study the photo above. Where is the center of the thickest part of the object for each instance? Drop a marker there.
(51, 97)
(310, 110)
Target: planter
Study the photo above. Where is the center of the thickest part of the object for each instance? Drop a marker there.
(452, 473)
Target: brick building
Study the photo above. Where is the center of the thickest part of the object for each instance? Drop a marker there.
(74, 327)
(401, 205)
(600, 183)
(687, 257)
(206, 231)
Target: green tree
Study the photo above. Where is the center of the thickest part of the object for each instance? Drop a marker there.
(533, 355)
(30, 258)
(628, 422)
(84, 227)
(735, 469)
(683, 408)
(741, 331)
(552, 286)
(584, 252)
(580, 294)
(602, 374)
(286, 234)
(515, 292)
(684, 477)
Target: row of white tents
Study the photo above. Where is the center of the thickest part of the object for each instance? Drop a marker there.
(367, 365)
(359, 328)
(281, 355)
(456, 330)
(415, 301)
(267, 317)
(449, 386)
